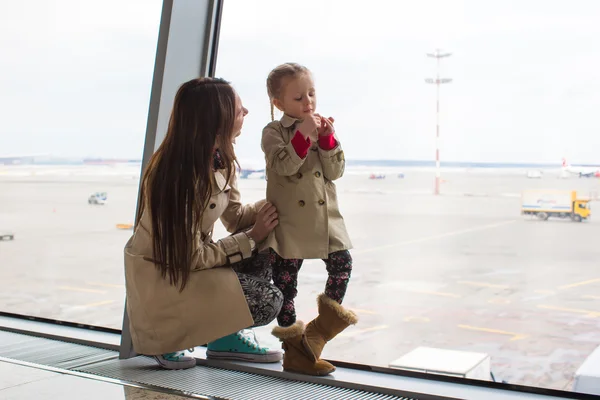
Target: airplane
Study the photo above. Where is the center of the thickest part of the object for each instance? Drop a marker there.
(377, 176)
(582, 172)
(16, 159)
(251, 169)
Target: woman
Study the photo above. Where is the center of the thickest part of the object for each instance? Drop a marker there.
(184, 289)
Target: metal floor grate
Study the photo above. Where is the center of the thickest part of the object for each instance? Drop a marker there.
(224, 383)
(52, 353)
(203, 380)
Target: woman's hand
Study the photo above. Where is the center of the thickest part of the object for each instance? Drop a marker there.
(266, 221)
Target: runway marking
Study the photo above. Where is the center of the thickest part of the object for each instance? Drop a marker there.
(545, 292)
(361, 331)
(359, 311)
(416, 319)
(591, 297)
(515, 336)
(110, 285)
(433, 293)
(483, 284)
(589, 313)
(572, 285)
(100, 303)
(74, 289)
(434, 237)
(499, 301)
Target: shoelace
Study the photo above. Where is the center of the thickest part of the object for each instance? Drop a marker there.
(248, 337)
(175, 356)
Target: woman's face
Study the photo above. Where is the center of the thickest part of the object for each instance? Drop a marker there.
(240, 113)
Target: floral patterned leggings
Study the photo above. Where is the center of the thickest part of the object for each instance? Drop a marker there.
(263, 298)
(285, 277)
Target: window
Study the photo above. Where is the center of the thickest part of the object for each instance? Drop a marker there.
(464, 270)
(75, 83)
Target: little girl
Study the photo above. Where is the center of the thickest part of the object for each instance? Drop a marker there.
(304, 157)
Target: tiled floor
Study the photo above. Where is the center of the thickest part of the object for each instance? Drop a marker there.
(25, 383)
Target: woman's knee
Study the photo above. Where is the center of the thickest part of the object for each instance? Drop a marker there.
(269, 306)
(277, 302)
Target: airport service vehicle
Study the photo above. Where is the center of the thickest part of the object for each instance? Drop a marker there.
(98, 198)
(555, 203)
(6, 236)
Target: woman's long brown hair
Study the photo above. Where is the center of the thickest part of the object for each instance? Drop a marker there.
(177, 184)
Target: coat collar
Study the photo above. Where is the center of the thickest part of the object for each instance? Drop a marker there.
(219, 182)
(288, 121)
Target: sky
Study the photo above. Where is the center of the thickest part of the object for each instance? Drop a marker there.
(75, 76)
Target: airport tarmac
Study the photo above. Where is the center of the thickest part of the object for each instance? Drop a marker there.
(462, 271)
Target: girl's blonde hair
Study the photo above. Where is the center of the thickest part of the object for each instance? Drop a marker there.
(275, 81)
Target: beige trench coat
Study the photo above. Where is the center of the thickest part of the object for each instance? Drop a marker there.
(212, 305)
(302, 190)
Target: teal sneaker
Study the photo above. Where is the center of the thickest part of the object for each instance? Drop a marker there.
(176, 360)
(241, 346)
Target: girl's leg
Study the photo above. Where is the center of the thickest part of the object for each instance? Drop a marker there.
(333, 317)
(339, 268)
(285, 278)
(291, 332)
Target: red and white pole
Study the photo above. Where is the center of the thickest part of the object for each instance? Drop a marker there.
(437, 139)
(438, 81)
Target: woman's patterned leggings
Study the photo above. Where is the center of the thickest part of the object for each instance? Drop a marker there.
(263, 298)
(285, 277)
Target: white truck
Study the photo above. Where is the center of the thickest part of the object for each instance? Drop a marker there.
(98, 198)
(555, 203)
(7, 236)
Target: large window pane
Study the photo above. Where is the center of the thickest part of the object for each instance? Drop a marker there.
(75, 84)
(465, 270)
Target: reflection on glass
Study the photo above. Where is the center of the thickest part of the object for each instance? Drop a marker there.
(74, 89)
(472, 282)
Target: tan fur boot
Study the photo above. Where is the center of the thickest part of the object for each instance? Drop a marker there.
(295, 358)
(332, 319)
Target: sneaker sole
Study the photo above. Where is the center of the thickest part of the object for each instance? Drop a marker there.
(264, 358)
(175, 365)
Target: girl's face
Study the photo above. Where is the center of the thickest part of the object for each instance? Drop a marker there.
(298, 97)
(240, 113)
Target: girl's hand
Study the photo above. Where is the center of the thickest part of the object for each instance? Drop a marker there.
(326, 127)
(309, 125)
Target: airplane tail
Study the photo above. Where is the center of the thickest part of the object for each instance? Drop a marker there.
(564, 163)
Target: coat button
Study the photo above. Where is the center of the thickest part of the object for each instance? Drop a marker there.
(321, 202)
(212, 206)
(301, 203)
(298, 175)
(318, 174)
